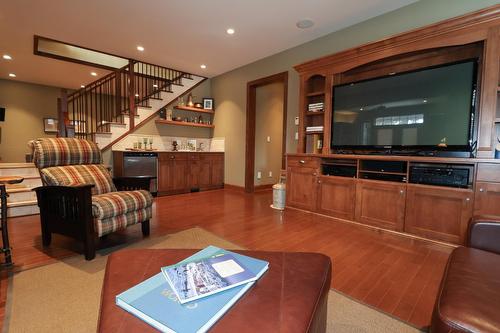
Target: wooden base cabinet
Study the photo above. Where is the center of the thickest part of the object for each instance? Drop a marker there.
(336, 196)
(438, 213)
(381, 204)
(487, 199)
(186, 172)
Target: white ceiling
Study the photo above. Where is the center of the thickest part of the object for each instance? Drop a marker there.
(180, 34)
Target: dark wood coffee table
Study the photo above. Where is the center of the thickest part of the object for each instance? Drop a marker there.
(292, 295)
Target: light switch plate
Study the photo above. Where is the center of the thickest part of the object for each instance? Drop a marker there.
(259, 175)
(270, 174)
(296, 135)
(296, 120)
(268, 139)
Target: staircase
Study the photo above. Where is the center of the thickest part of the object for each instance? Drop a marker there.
(109, 109)
(21, 200)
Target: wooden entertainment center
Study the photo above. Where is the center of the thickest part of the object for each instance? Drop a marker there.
(381, 190)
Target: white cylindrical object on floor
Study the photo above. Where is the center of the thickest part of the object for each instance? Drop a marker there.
(279, 196)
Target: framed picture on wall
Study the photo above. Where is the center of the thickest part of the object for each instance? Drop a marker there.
(50, 125)
(208, 103)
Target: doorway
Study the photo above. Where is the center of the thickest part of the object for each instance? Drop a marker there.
(266, 117)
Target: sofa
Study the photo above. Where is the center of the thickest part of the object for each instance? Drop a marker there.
(469, 295)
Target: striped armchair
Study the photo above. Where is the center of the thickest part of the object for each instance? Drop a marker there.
(78, 197)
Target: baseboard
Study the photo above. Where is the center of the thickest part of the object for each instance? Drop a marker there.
(264, 187)
(234, 187)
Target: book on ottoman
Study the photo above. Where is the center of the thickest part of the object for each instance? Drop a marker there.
(194, 279)
(154, 301)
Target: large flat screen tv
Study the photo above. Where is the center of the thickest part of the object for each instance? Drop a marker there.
(428, 111)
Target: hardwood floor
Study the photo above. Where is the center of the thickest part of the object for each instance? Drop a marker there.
(393, 273)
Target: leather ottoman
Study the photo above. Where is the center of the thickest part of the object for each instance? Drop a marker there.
(469, 297)
(290, 297)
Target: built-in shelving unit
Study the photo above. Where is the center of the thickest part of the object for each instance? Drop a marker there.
(182, 123)
(314, 111)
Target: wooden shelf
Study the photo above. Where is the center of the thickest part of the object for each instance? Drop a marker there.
(315, 132)
(308, 113)
(384, 172)
(182, 123)
(316, 93)
(188, 108)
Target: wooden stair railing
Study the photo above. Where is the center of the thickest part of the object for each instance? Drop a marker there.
(95, 107)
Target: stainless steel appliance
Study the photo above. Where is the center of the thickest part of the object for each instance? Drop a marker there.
(141, 164)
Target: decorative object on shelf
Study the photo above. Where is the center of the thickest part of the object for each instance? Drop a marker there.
(198, 105)
(190, 100)
(145, 141)
(180, 101)
(169, 114)
(50, 125)
(208, 103)
(151, 143)
(174, 145)
(139, 144)
(200, 120)
(200, 146)
(177, 119)
(497, 149)
(162, 113)
(191, 145)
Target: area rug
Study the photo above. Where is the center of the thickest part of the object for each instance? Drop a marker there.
(65, 296)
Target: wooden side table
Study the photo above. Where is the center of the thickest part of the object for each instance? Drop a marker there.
(4, 180)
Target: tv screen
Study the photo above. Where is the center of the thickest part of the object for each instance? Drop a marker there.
(431, 108)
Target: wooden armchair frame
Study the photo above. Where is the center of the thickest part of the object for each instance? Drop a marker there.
(67, 210)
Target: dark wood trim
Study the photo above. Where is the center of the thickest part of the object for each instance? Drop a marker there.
(142, 123)
(250, 126)
(81, 62)
(454, 31)
(265, 187)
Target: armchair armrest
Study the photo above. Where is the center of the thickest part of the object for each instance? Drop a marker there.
(484, 233)
(133, 183)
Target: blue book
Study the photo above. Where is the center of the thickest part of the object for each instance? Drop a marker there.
(194, 279)
(154, 301)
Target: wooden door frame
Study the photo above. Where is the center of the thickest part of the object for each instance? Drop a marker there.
(250, 127)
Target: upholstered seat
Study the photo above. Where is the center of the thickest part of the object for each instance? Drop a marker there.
(79, 198)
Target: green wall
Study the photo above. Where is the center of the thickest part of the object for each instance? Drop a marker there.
(229, 89)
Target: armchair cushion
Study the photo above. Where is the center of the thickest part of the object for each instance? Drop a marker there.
(108, 205)
(109, 225)
(49, 152)
(71, 175)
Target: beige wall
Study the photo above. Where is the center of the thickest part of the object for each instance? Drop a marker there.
(268, 122)
(26, 105)
(229, 89)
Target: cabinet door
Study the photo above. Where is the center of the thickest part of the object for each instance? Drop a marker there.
(179, 174)
(438, 213)
(164, 176)
(217, 173)
(487, 199)
(381, 204)
(336, 196)
(301, 188)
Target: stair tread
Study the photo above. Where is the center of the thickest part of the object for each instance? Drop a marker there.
(21, 203)
(20, 189)
(159, 99)
(16, 165)
(145, 106)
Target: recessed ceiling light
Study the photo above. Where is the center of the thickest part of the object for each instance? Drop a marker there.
(7, 57)
(155, 86)
(203, 66)
(140, 48)
(230, 31)
(93, 73)
(12, 75)
(304, 23)
(82, 86)
(425, 101)
(392, 73)
(360, 109)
